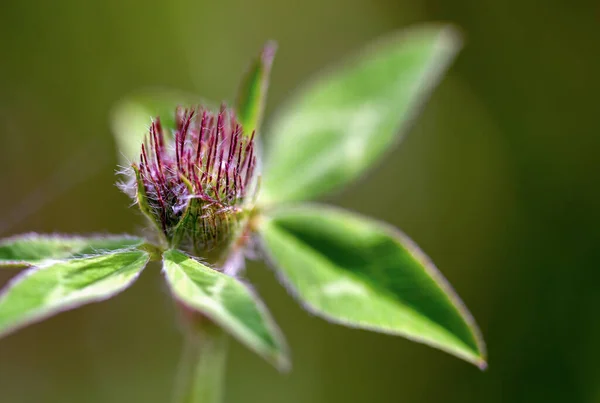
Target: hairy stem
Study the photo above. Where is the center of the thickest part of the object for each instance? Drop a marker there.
(201, 370)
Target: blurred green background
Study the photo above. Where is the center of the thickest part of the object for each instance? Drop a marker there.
(498, 182)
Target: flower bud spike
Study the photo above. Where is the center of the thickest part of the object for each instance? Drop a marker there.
(160, 134)
(193, 185)
(209, 158)
(157, 147)
(239, 159)
(201, 138)
(220, 162)
(249, 166)
(215, 147)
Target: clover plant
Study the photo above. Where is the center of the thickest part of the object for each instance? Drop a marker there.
(212, 198)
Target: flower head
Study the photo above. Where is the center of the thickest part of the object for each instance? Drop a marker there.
(195, 184)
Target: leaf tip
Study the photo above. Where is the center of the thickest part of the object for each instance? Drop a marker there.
(268, 53)
(482, 365)
(450, 38)
(283, 363)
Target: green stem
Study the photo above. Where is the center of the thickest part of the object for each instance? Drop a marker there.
(202, 367)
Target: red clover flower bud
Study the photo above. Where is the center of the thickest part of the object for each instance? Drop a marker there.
(196, 184)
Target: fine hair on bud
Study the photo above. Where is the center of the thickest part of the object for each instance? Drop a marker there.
(196, 182)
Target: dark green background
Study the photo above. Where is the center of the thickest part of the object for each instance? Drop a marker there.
(498, 182)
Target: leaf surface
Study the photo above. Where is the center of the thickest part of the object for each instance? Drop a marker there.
(40, 292)
(360, 273)
(339, 124)
(33, 249)
(227, 302)
(252, 95)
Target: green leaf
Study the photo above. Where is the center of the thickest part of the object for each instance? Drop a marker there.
(361, 273)
(40, 292)
(252, 94)
(342, 122)
(131, 117)
(227, 302)
(34, 249)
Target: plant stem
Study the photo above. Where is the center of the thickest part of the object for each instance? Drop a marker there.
(202, 366)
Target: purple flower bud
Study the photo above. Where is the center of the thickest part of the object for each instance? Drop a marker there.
(196, 184)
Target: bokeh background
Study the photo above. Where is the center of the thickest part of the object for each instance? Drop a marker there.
(498, 182)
